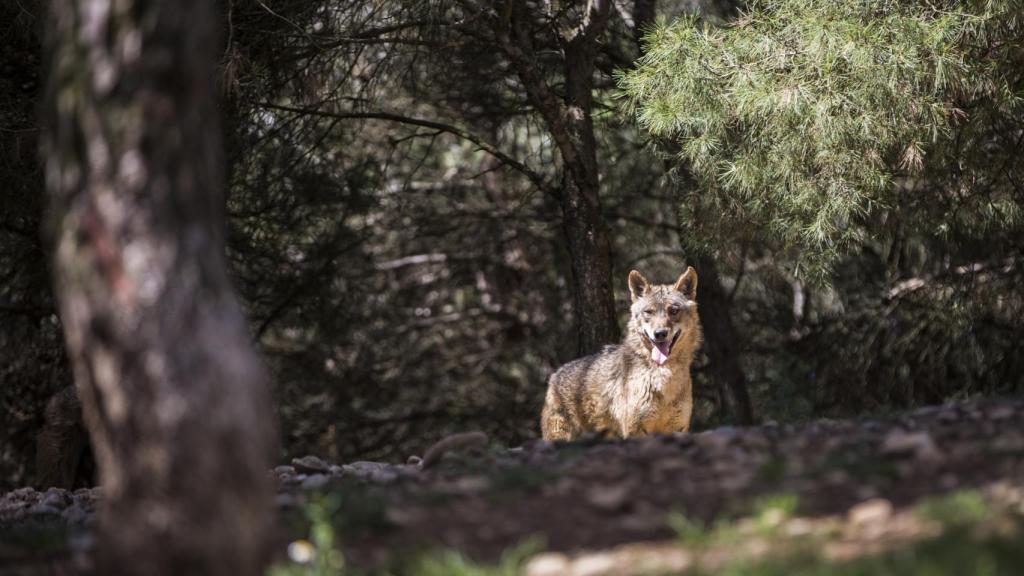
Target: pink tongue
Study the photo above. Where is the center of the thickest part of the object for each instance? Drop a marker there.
(658, 355)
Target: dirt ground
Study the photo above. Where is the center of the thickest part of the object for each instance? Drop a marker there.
(607, 501)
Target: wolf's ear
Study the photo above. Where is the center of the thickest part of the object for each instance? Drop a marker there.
(638, 285)
(687, 283)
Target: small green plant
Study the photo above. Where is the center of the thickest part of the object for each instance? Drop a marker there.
(450, 563)
(771, 510)
(960, 508)
(690, 532)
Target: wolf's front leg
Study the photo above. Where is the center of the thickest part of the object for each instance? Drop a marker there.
(632, 425)
(683, 415)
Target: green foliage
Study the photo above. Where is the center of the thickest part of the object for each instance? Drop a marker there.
(320, 554)
(450, 563)
(960, 508)
(763, 516)
(802, 119)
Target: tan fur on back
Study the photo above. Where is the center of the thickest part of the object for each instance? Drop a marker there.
(622, 390)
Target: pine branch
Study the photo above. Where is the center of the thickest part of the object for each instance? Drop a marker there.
(536, 178)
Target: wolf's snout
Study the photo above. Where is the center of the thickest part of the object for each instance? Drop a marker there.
(661, 333)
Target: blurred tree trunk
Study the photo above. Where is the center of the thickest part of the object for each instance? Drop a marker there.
(174, 397)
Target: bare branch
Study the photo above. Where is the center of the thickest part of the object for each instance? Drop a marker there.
(536, 178)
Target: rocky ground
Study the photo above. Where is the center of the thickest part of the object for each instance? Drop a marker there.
(615, 507)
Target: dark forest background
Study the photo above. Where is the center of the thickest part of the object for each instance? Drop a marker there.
(411, 190)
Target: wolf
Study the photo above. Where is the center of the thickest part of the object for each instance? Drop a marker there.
(640, 386)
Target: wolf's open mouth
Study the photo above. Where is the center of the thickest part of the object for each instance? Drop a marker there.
(661, 350)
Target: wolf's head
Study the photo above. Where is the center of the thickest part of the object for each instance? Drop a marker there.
(665, 315)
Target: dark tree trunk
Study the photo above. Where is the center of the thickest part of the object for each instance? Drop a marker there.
(174, 397)
(720, 344)
(570, 122)
(589, 246)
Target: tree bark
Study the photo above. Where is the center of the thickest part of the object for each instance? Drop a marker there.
(720, 343)
(583, 222)
(570, 122)
(175, 399)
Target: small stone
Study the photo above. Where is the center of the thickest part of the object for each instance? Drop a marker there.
(837, 478)
(383, 476)
(919, 444)
(414, 460)
(23, 493)
(608, 498)
(43, 510)
(75, 514)
(1001, 412)
(406, 469)
(866, 492)
(310, 464)
(799, 527)
(284, 470)
(547, 564)
(315, 482)
(285, 500)
(598, 563)
(365, 466)
(715, 440)
(56, 497)
(471, 484)
(873, 511)
(336, 470)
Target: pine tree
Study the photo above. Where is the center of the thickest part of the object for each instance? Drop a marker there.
(809, 123)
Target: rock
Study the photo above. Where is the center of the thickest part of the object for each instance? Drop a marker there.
(75, 514)
(715, 440)
(383, 476)
(918, 444)
(286, 500)
(1002, 412)
(336, 470)
(372, 471)
(56, 497)
(363, 466)
(43, 510)
(406, 469)
(414, 460)
(609, 498)
(315, 482)
(285, 470)
(872, 511)
(471, 484)
(310, 464)
(24, 493)
(547, 564)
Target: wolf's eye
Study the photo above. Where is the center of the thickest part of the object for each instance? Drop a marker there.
(648, 312)
(673, 310)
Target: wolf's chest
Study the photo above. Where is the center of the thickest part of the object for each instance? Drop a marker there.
(651, 382)
(651, 396)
